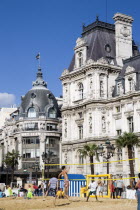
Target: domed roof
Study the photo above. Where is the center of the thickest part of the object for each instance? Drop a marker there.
(39, 98)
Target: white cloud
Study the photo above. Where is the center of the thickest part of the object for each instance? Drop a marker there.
(7, 100)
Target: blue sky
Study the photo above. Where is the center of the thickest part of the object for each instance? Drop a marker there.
(50, 27)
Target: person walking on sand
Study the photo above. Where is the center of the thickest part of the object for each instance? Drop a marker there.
(100, 188)
(29, 194)
(93, 189)
(66, 180)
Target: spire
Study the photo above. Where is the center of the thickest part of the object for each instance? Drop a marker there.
(39, 82)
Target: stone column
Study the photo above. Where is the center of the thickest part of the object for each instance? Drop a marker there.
(20, 151)
(42, 148)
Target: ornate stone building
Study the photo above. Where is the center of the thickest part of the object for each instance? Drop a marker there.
(101, 93)
(34, 128)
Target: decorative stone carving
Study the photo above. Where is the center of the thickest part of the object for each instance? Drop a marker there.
(65, 128)
(90, 123)
(80, 41)
(66, 71)
(129, 69)
(125, 31)
(90, 61)
(102, 61)
(111, 91)
(42, 126)
(66, 157)
(103, 124)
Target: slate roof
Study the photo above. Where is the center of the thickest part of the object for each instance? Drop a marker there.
(97, 35)
(39, 96)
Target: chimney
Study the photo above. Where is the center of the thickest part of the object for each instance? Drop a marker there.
(123, 37)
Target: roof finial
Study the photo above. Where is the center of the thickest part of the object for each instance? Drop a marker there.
(97, 17)
(38, 58)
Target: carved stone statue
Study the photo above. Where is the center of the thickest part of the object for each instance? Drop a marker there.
(103, 123)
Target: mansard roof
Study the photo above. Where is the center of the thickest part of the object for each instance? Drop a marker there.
(133, 62)
(97, 36)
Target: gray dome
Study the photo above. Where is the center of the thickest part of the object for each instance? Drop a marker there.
(39, 98)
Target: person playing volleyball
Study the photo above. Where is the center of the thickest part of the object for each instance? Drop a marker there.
(66, 181)
(93, 188)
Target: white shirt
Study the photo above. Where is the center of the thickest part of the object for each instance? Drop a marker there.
(120, 183)
(93, 186)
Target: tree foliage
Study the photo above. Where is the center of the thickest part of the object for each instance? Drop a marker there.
(89, 150)
(11, 160)
(128, 140)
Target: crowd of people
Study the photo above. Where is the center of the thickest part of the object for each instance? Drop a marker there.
(52, 188)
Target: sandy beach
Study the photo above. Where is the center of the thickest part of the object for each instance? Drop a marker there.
(72, 203)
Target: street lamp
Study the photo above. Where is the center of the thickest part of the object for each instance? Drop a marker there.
(46, 156)
(36, 168)
(110, 149)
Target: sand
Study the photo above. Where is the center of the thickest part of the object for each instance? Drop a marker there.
(74, 203)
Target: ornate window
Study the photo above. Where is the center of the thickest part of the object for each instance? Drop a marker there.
(81, 91)
(130, 124)
(31, 112)
(107, 48)
(52, 113)
(130, 80)
(80, 131)
(101, 89)
(118, 88)
(80, 59)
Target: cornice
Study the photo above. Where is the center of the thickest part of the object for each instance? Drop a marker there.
(104, 102)
(86, 68)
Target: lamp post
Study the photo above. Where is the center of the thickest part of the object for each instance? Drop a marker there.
(110, 149)
(46, 157)
(36, 168)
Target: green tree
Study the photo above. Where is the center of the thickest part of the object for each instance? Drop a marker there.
(11, 160)
(128, 140)
(89, 150)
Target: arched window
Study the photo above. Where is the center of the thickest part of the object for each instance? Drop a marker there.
(81, 91)
(80, 59)
(31, 112)
(52, 113)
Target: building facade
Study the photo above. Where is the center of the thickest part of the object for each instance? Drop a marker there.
(101, 94)
(33, 129)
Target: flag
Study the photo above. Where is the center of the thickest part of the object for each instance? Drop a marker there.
(38, 56)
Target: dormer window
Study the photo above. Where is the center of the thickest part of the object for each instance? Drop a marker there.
(107, 48)
(52, 113)
(130, 80)
(80, 59)
(118, 88)
(31, 112)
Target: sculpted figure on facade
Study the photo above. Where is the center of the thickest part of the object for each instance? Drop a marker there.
(121, 89)
(90, 123)
(103, 124)
(65, 128)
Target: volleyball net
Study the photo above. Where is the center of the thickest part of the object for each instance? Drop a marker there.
(84, 167)
(79, 186)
